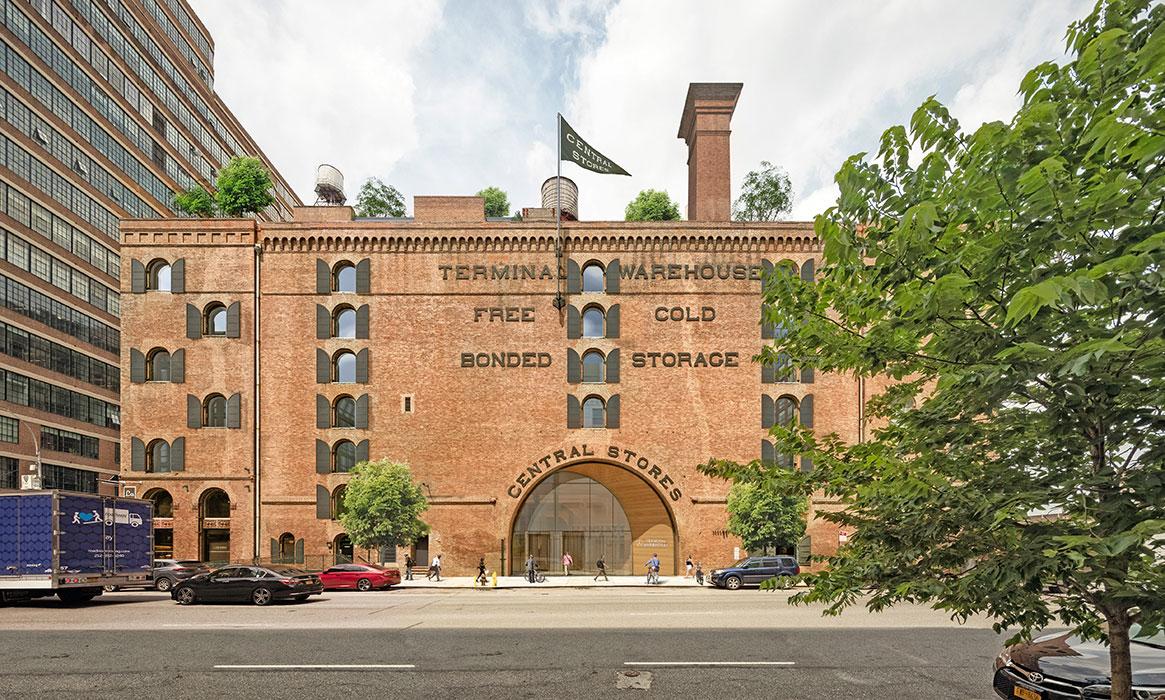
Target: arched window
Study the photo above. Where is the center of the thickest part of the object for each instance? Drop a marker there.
(158, 365)
(344, 277)
(215, 318)
(784, 369)
(343, 456)
(344, 412)
(163, 502)
(594, 412)
(344, 367)
(592, 322)
(214, 411)
(158, 456)
(344, 322)
(593, 277)
(338, 501)
(286, 551)
(593, 367)
(215, 504)
(158, 276)
(786, 410)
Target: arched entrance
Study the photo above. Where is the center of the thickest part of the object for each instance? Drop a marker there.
(214, 526)
(592, 510)
(163, 522)
(342, 549)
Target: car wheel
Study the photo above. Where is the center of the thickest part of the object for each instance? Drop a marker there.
(364, 585)
(732, 583)
(185, 596)
(109, 589)
(261, 596)
(163, 584)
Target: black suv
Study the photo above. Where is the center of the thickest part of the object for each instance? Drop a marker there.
(751, 571)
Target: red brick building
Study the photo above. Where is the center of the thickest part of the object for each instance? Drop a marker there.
(287, 351)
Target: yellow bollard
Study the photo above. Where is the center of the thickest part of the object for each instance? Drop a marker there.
(495, 578)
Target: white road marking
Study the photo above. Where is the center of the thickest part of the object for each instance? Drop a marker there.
(709, 663)
(285, 667)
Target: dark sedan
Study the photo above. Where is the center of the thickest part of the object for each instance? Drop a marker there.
(1062, 666)
(248, 584)
(752, 571)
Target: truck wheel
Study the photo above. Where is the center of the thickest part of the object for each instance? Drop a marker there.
(261, 596)
(109, 589)
(73, 596)
(732, 583)
(363, 585)
(185, 595)
(163, 584)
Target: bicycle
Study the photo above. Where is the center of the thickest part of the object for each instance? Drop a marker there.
(652, 575)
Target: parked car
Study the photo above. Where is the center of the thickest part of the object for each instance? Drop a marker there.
(240, 584)
(1060, 666)
(166, 573)
(359, 577)
(752, 571)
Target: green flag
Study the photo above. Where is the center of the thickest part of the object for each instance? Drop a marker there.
(573, 148)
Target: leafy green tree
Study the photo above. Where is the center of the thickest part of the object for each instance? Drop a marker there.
(195, 201)
(497, 202)
(382, 506)
(765, 519)
(767, 193)
(652, 205)
(1010, 283)
(243, 187)
(379, 199)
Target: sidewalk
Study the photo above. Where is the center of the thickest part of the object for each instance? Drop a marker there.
(560, 581)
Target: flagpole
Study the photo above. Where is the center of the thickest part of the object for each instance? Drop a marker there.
(559, 299)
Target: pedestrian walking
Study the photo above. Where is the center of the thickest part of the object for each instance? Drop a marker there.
(435, 568)
(688, 567)
(699, 574)
(567, 562)
(531, 568)
(409, 563)
(601, 565)
(481, 571)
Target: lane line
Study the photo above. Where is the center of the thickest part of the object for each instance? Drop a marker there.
(285, 667)
(709, 663)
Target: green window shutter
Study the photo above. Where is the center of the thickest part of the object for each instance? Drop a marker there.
(612, 324)
(362, 411)
(323, 323)
(573, 412)
(275, 551)
(299, 551)
(178, 367)
(323, 367)
(613, 411)
(364, 276)
(323, 277)
(233, 320)
(178, 455)
(137, 277)
(768, 373)
(362, 366)
(806, 375)
(193, 411)
(807, 270)
(323, 503)
(573, 277)
(806, 463)
(807, 411)
(612, 277)
(362, 451)
(573, 323)
(767, 327)
(235, 410)
(323, 457)
(573, 367)
(137, 366)
(137, 460)
(804, 550)
(193, 322)
(768, 412)
(323, 412)
(613, 367)
(768, 453)
(178, 276)
(362, 322)
(766, 272)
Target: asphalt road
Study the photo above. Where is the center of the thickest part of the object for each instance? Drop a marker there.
(491, 644)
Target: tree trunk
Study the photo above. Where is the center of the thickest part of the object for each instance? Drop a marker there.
(1119, 656)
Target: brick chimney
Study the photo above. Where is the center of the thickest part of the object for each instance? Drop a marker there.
(704, 126)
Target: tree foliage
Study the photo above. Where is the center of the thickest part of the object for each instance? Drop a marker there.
(652, 205)
(379, 199)
(243, 187)
(497, 202)
(195, 201)
(382, 506)
(766, 195)
(1009, 283)
(764, 518)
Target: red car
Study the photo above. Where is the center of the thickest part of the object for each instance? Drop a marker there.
(359, 577)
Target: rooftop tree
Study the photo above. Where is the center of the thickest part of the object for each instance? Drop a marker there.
(243, 187)
(195, 201)
(652, 205)
(1010, 283)
(379, 199)
(497, 202)
(766, 195)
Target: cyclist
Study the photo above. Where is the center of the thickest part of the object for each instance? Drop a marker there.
(653, 568)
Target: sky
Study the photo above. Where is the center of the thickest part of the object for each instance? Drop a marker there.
(447, 97)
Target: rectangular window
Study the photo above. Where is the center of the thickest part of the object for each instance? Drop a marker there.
(56, 476)
(9, 429)
(9, 473)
